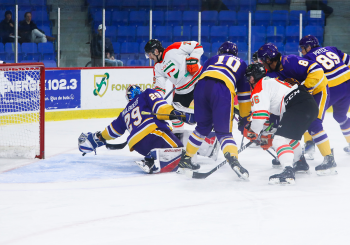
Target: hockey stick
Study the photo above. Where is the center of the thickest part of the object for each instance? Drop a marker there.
(171, 91)
(196, 175)
(159, 114)
(116, 146)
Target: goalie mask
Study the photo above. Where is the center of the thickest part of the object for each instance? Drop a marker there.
(132, 91)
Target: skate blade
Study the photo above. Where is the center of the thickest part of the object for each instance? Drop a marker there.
(303, 172)
(277, 166)
(244, 176)
(276, 181)
(331, 171)
(143, 166)
(185, 171)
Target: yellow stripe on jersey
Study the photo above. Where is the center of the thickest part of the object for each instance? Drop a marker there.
(105, 135)
(316, 79)
(165, 137)
(341, 78)
(244, 109)
(164, 109)
(322, 106)
(232, 110)
(221, 76)
(141, 134)
(311, 66)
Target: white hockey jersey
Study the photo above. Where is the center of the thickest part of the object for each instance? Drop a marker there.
(173, 67)
(268, 97)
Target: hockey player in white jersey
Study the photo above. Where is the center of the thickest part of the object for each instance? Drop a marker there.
(297, 110)
(179, 63)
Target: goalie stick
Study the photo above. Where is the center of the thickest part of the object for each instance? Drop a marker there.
(196, 175)
(158, 114)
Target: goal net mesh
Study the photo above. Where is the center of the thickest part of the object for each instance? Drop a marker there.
(19, 112)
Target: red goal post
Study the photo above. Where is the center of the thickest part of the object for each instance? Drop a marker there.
(22, 110)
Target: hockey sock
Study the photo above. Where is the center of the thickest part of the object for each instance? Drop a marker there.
(345, 128)
(284, 151)
(227, 144)
(177, 123)
(194, 142)
(307, 137)
(295, 144)
(322, 142)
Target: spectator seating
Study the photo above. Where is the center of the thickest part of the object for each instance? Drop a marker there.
(291, 48)
(120, 18)
(205, 33)
(242, 18)
(157, 18)
(111, 33)
(315, 18)
(280, 17)
(218, 34)
(262, 18)
(173, 18)
(190, 18)
(316, 31)
(248, 5)
(275, 34)
(181, 33)
(142, 34)
(227, 18)
(126, 34)
(258, 34)
(138, 18)
(30, 51)
(163, 33)
(209, 18)
(294, 17)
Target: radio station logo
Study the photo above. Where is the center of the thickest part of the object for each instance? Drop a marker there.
(101, 84)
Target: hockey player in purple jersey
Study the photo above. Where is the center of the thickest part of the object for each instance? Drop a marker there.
(214, 96)
(296, 70)
(335, 64)
(147, 132)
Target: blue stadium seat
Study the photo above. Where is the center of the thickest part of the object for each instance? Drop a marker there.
(116, 47)
(95, 3)
(190, 18)
(264, 1)
(142, 34)
(247, 5)
(238, 34)
(228, 18)
(111, 33)
(262, 18)
(291, 48)
(275, 34)
(134, 63)
(209, 18)
(242, 18)
(215, 47)
(256, 45)
(194, 5)
(50, 63)
(45, 48)
(142, 48)
(9, 47)
(138, 18)
(173, 18)
(204, 58)
(258, 34)
(315, 18)
(294, 17)
(280, 46)
(98, 17)
(160, 4)
(205, 33)
(243, 55)
(129, 5)
(30, 48)
(163, 33)
(120, 18)
(129, 48)
(180, 5)
(292, 34)
(166, 44)
(157, 18)
(206, 47)
(218, 34)
(144, 5)
(38, 2)
(232, 5)
(181, 33)
(113, 5)
(280, 17)
(39, 15)
(281, 1)
(26, 8)
(126, 34)
(242, 47)
(316, 31)
(46, 30)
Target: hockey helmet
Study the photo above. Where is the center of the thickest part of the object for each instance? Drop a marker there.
(151, 45)
(256, 70)
(269, 53)
(255, 57)
(308, 40)
(132, 91)
(228, 48)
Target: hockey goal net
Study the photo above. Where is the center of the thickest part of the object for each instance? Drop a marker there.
(22, 110)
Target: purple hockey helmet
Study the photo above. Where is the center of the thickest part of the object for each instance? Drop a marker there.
(268, 51)
(308, 40)
(228, 48)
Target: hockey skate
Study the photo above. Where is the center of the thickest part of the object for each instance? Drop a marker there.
(146, 165)
(287, 177)
(347, 149)
(186, 164)
(328, 166)
(309, 150)
(301, 166)
(240, 171)
(276, 163)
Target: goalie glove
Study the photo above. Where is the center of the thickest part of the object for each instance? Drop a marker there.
(192, 65)
(89, 142)
(189, 119)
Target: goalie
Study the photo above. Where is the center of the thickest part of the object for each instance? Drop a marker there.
(150, 135)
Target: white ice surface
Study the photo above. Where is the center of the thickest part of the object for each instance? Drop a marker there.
(106, 199)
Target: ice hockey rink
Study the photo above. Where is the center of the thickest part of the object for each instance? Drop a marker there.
(106, 199)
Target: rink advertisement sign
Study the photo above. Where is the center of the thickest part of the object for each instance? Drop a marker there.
(62, 89)
(105, 88)
(19, 91)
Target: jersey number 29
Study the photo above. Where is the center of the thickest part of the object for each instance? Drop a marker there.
(135, 114)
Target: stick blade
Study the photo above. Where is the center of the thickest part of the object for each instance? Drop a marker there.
(116, 146)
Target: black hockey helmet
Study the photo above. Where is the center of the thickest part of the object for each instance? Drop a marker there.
(153, 44)
(256, 70)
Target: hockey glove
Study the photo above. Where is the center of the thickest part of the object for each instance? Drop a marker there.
(192, 65)
(189, 119)
(243, 121)
(250, 135)
(89, 142)
(266, 141)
